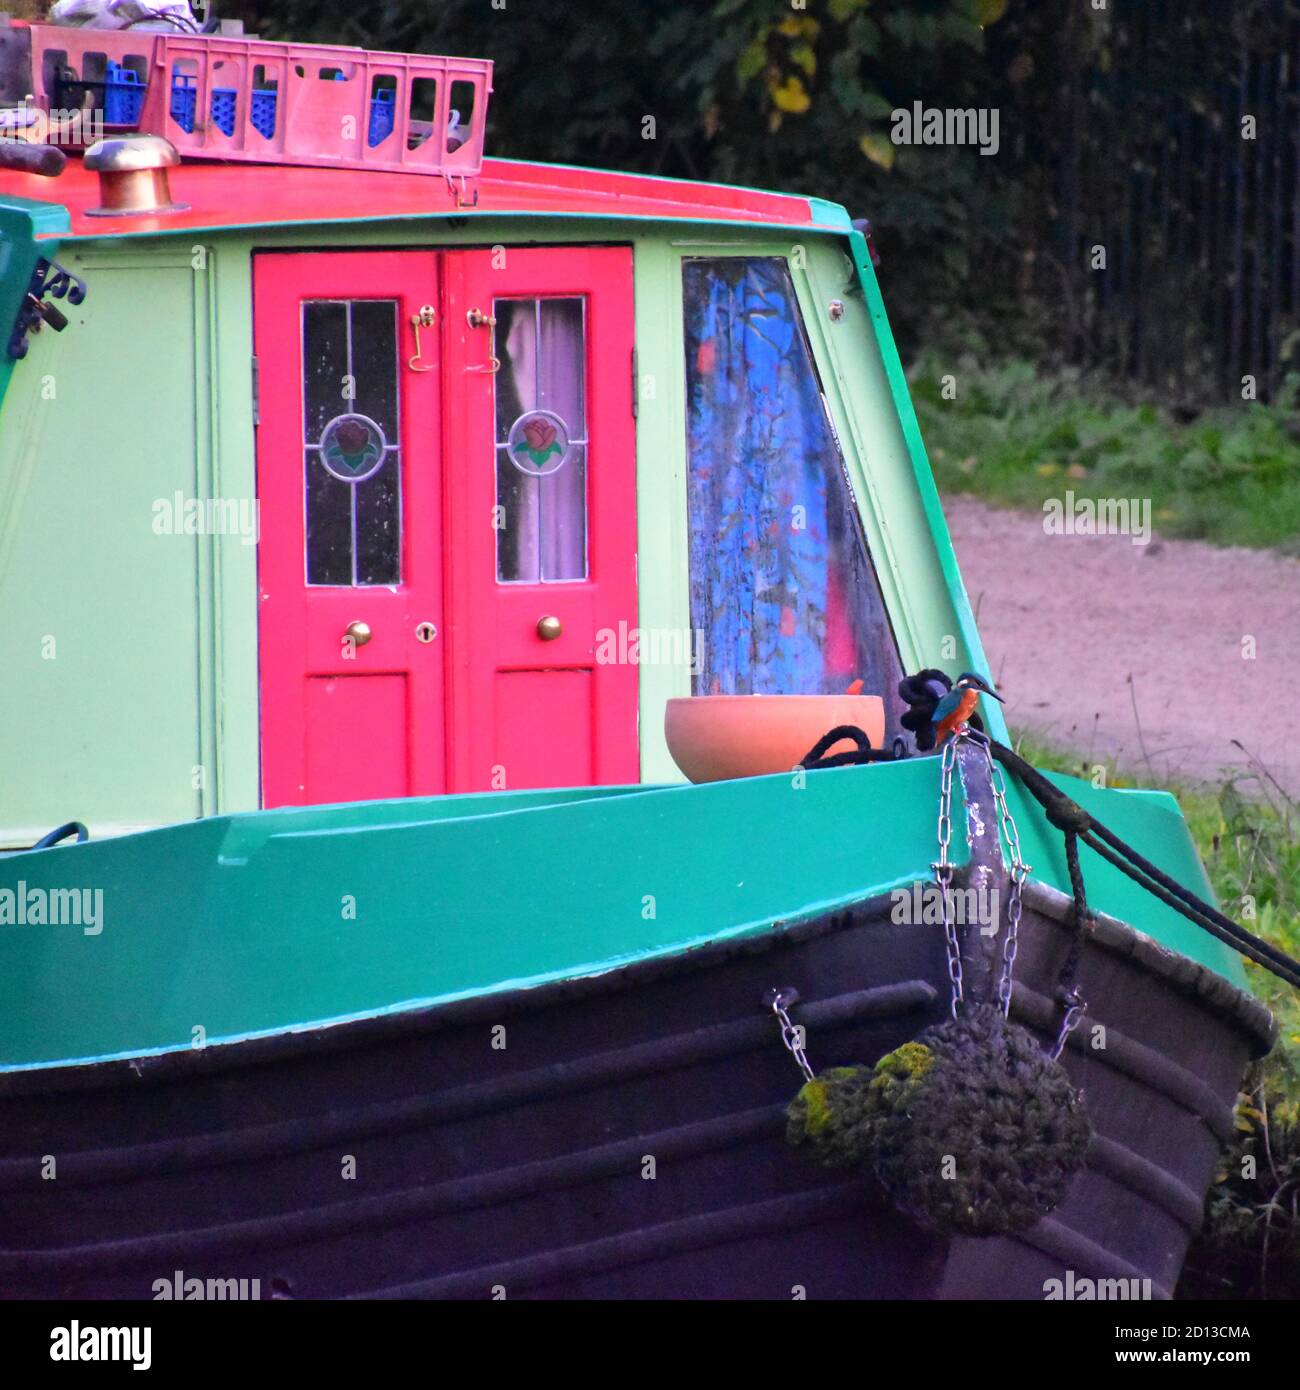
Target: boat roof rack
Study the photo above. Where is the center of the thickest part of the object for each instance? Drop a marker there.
(239, 98)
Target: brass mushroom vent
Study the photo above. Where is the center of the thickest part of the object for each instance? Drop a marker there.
(132, 173)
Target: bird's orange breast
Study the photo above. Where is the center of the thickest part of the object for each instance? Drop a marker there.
(964, 710)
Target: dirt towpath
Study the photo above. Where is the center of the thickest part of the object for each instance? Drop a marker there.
(1136, 653)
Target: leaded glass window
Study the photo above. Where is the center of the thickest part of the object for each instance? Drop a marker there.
(351, 434)
(541, 440)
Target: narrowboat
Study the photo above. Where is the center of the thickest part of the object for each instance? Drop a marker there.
(366, 503)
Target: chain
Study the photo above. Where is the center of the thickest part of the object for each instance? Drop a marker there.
(792, 1033)
(1075, 1009)
(1019, 873)
(943, 872)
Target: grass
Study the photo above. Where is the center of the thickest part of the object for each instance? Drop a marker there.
(1250, 845)
(1230, 475)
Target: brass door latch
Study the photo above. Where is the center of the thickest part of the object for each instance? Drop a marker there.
(424, 319)
(476, 318)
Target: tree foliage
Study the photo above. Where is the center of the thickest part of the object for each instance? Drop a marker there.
(1119, 127)
(764, 93)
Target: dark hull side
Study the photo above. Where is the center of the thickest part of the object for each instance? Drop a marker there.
(626, 1141)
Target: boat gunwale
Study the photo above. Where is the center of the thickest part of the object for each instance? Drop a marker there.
(1198, 983)
(1207, 987)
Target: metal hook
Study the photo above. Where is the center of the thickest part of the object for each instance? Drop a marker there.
(424, 319)
(476, 318)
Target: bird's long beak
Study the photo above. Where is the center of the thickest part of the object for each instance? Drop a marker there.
(988, 690)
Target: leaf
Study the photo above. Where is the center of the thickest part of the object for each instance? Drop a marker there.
(989, 11)
(791, 95)
(840, 10)
(803, 55)
(879, 149)
(752, 61)
(863, 37)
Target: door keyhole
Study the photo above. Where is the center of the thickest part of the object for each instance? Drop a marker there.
(425, 632)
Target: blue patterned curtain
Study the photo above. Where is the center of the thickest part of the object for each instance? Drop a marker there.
(781, 585)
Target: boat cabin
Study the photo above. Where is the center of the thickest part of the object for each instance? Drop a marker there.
(363, 466)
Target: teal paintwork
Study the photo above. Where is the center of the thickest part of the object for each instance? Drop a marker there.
(22, 221)
(239, 926)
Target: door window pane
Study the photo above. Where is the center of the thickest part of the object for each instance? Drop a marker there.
(351, 429)
(541, 440)
(782, 587)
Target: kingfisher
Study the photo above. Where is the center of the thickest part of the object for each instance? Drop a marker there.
(953, 712)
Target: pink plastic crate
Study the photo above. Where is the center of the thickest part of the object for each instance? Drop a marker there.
(285, 103)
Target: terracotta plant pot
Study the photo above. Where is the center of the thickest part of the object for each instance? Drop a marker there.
(715, 737)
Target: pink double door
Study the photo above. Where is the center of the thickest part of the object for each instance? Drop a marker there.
(446, 480)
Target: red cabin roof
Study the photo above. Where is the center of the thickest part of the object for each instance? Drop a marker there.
(242, 195)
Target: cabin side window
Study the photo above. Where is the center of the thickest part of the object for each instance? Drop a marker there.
(541, 440)
(351, 433)
(782, 587)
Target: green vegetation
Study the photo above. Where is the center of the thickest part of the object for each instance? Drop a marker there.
(1230, 475)
(764, 94)
(1250, 845)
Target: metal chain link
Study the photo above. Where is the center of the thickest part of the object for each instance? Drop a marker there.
(792, 1033)
(780, 1000)
(943, 873)
(1020, 871)
(1076, 1007)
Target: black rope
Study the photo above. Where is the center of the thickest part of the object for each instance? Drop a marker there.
(1081, 918)
(1076, 823)
(816, 757)
(1242, 941)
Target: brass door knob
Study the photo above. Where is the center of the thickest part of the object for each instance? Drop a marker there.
(359, 632)
(549, 628)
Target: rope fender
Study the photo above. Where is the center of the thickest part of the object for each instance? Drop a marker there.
(971, 1128)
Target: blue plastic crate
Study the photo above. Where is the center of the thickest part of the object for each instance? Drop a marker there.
(183, 103)
(383, 110)
(123, 95)
(262, 111)
(223, 109)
